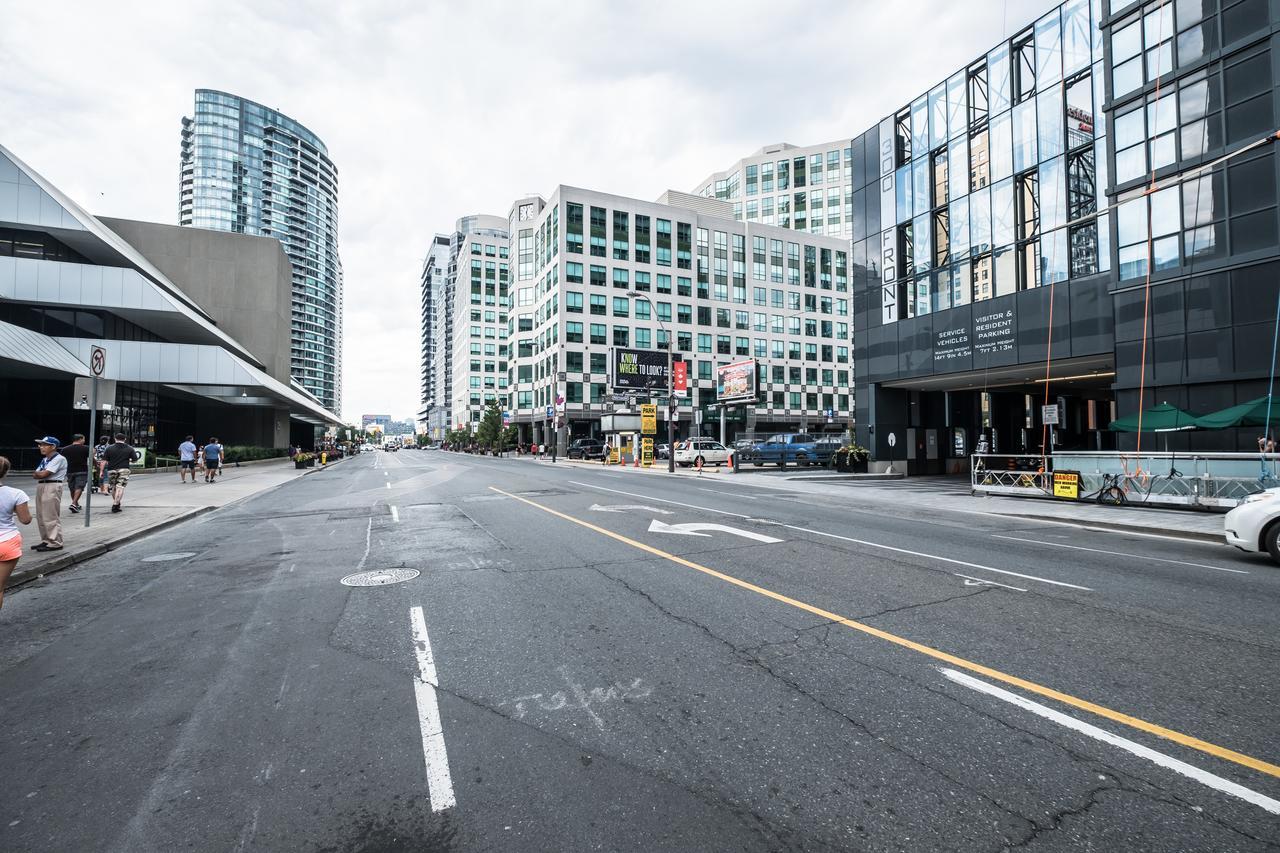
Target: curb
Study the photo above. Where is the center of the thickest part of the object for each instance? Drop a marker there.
(66, 561)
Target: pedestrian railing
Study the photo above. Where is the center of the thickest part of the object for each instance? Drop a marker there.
(1197, 480)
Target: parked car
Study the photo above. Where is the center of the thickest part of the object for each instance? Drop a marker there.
(826, 446)
(1254, 525)
(586, 448)
(791, 448)
(661, 451)
(689, 451)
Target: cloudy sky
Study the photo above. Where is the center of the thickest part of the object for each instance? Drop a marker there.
(434, 110)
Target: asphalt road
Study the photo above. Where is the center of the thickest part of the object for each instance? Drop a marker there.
(573, 670)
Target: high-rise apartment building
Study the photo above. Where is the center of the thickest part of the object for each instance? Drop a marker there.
(477, 303)
(596, 272)
(435, 331)
(807, 188)
(253, 170)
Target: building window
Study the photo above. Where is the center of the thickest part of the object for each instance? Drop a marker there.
(598, 237)
(573, 302)
(573, 229)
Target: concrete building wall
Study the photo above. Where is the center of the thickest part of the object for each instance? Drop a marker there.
(243, 282)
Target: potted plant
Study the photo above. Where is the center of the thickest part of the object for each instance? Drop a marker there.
(304, 460)
(852, 458)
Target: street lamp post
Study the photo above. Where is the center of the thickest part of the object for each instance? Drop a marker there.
(671, 383)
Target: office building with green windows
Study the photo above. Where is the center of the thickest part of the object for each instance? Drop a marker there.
(478, 300)
(809, 189)
(251, 169)
(1084, 216)
(595, 272)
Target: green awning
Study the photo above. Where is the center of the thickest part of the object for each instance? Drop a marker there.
(1161, 418)
(1251, 414)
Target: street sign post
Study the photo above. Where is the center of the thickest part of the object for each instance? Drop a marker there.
(97, 367)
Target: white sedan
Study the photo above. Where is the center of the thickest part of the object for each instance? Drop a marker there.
(689, 451)
(1254, 525)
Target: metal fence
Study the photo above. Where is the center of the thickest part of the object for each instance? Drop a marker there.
(1198, 480)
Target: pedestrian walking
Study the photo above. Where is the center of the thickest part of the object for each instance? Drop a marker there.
(119, 457)
(100, 464)
(77, 455)
(187, 459)
(13, 504)
(212, 460)
(50, 475)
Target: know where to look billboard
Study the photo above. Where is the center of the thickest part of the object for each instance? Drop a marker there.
(639, 370)
(736, 382)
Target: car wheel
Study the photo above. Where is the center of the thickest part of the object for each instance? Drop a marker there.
(758, 464)
(1271, 540)
(801, 459)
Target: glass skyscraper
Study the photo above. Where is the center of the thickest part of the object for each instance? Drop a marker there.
(251, 169)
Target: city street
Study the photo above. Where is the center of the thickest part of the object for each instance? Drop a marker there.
(568, 658)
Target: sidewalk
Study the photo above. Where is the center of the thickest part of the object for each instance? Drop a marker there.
(1202, 526)
(152, 501)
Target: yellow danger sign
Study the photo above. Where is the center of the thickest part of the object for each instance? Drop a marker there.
(1066, 484)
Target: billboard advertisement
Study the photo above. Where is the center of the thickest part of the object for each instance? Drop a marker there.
(639, 370)
(736, 382)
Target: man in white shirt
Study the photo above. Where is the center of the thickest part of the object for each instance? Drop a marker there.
(187, 459)
(49, 475)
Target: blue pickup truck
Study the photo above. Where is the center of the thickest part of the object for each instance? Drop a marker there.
(794, 448)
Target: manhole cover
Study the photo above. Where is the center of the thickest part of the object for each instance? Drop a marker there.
(164, 558)
(380, 577)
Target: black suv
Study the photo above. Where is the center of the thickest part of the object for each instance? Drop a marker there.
(587, 448)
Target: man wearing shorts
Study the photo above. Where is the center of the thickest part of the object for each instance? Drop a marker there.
(212, 459)
(77, 455)
(187, 459)
(119, 457)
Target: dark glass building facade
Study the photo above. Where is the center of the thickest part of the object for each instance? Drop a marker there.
(1078, 210)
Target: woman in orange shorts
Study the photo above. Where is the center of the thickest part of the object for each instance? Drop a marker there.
(13, 504)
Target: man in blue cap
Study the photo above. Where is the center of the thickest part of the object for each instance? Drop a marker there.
(50, 475)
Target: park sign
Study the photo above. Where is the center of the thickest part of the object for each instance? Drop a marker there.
(639, 370)
(736, 383)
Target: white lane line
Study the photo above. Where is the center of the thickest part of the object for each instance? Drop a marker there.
(1204, 777)
(1120, 554)
(388, 485)
(368, 542)
(395, 514)
(439, 782)
(743, 497)
(985, 581)
(847, 539)
(663, 500)
(386, 473)
(954, 562)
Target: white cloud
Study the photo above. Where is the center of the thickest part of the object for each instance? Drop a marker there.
(437, 110)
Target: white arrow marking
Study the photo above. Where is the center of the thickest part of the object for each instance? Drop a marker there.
(968, 581)
(692, 528)
(628, 508)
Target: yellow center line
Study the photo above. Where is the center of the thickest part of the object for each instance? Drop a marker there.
(1030, 686)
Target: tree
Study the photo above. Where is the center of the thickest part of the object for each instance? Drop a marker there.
(490, 430)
